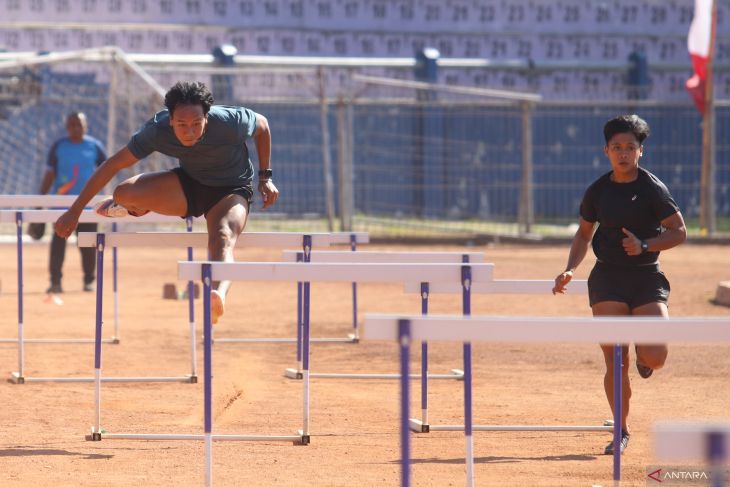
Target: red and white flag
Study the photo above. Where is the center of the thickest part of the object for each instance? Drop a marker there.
(698, 44)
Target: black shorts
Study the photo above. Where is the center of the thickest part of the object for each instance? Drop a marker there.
(634, 286)
(201, 198)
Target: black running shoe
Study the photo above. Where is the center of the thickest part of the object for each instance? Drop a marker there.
(624, 443)
(644, 371)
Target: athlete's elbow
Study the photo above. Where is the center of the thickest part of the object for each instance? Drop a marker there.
(681, 234)
(262, 125)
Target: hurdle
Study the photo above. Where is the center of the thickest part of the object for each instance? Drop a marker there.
(498, 286)
(102, 240)
(184, 239)
(48, 216)
(383, 258)
(307, 273)
(336, 238)
(405, 329)
(708, 442)
(12, 201)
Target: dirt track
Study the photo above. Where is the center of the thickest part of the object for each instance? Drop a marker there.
(354, 424)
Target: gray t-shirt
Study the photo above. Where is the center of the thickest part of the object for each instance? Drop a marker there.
(219, 158)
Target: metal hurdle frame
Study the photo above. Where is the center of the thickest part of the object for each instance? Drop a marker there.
(187, 239)
(692, 441)
(383, 258)
(21, 202)
(405, 329)
(298, 272)
(48, 216)
(336, 238)
(176, 239)
(498, 286)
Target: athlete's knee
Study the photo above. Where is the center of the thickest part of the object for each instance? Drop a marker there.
(124, 193)
(654, 357)
(222, 238)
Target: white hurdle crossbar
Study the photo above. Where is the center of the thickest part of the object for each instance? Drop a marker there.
(170, 240)
(382, 257)
(309, 272)
(351, 238)
(497, 286)
(49, 216)
(405, 329)
(42, 200)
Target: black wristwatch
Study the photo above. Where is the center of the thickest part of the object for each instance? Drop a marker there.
(265, 174)
(644, 246)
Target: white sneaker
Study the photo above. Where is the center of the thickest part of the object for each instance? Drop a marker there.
(107, 207)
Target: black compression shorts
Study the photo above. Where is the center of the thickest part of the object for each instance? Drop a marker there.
(202, 198)
(634, 286)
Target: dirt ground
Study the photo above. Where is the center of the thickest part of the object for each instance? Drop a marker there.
(354, 424)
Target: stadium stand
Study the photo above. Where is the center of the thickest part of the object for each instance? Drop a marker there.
(547, 37)
(467, 162)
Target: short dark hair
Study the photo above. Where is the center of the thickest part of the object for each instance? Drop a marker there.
(626, 123)
(188, 93)
(75, 114)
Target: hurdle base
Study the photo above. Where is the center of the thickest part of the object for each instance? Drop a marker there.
(304, 440)
(454, 374)
(354, 338)
(458, 373)
(59, 341)
(293, 374)
(298, 439)
(418, 426)
(349, 339)
(520, 427)
(94, 436)
(16, 378)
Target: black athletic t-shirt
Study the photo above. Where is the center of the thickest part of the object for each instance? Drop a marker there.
(638, 206)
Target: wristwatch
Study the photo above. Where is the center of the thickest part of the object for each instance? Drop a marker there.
(644, 246)
(265, 174)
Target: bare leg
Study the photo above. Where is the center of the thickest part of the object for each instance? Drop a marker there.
(615, 308)
(226, 220)
(652, 356)
(160, 192)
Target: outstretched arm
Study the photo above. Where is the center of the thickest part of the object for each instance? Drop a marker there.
(578, 250)
(67, 222)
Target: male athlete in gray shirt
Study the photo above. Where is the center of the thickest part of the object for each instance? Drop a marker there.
(214, 177)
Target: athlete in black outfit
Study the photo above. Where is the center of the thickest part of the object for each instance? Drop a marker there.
(634, 217)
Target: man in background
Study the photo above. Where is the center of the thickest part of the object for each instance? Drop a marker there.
(71, 161)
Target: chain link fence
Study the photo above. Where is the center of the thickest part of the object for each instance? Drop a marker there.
(368, 148)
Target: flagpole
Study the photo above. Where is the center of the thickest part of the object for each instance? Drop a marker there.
(707, 176)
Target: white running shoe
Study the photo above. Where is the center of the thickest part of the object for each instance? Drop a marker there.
(107, 207)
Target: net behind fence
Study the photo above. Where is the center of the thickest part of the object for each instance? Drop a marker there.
(353, 152)
(37, 100)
